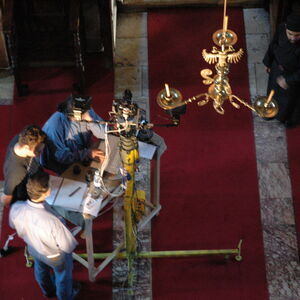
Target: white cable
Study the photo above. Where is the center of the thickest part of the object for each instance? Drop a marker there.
(104, 164)
(107, 152)
(119, 130)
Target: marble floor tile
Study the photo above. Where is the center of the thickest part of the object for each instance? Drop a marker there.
(256, 47)
(281, 238)
(145, 81)
(274, 180)
(142, 100)
(132, 25)
(282, 261)
(6, 87)
(270, 140)
(252, 81)
(131, 52)
(128, 77)
(142, 290)
(277, 212)
(261, 79)
(118, 220)
(256, 21)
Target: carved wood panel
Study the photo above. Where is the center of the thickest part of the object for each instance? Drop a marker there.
(3, 51)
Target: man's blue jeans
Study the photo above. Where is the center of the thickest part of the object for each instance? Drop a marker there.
(54, 276)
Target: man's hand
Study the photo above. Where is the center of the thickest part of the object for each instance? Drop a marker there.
(96, 153)
(268, 70)
(282, 82)
(6, 199)
(86, 117)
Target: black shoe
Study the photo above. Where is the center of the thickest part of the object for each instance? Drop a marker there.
(76, 288)
(50, 295)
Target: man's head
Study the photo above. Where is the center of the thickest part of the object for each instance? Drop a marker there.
(38, 186)
(293, 28)
(75, 106)
(31, 139)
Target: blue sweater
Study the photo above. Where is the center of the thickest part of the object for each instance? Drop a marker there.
(68, 141)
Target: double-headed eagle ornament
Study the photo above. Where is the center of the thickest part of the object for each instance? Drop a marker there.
(219, 90)
(220, 57)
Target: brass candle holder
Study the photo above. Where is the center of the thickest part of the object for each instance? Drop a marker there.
(219, 90)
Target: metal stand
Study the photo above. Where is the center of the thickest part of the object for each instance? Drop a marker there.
(89, 260)
(128, 249)
(176, 253)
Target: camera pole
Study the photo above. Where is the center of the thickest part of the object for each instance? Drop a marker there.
(130, 156)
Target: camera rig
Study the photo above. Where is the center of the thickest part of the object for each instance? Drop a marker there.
(128, 120)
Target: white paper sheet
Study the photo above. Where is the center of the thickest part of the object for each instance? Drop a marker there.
(146, 150)
(67, 193)
(54, 183)
(92, 206)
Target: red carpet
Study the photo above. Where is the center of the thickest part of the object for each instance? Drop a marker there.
(294, 164)
(209, 189)
(48, 87)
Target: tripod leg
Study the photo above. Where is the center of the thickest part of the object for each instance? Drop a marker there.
(7, 249)
(29, 260)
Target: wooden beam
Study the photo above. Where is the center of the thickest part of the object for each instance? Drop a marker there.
(4, 63)
(5, 26)
(164, 3)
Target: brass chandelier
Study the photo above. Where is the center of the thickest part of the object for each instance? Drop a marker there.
(219, 90)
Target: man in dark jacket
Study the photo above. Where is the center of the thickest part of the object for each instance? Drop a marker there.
(282, 62)
(21, 161)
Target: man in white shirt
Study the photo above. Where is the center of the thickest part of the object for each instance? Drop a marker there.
(48, 240)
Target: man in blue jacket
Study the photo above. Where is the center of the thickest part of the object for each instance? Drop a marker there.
(70, 131)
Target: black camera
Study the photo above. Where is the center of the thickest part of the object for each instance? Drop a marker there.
(176, 113)
(79, 105)
(75, 106)
(125, 106)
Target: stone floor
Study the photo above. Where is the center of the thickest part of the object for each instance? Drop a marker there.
(277, 215)
(6, 87)
(280, 244)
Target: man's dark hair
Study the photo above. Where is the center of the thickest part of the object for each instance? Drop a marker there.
(31, 135)
(37, 184)
(79, 102)
(293, 22)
